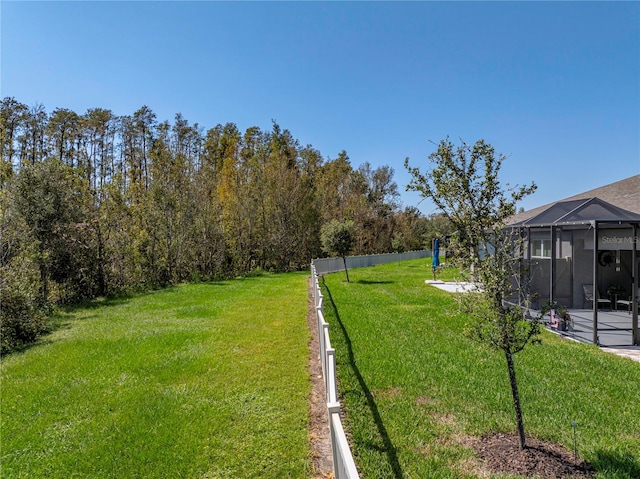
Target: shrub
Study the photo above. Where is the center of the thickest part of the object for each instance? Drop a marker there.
(21, 321)
(23, 316)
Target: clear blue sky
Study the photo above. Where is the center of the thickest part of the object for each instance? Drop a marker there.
(553, 86)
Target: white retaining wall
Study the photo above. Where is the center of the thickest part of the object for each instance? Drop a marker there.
(343, 465)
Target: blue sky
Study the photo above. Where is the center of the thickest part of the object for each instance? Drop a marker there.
(553, 86)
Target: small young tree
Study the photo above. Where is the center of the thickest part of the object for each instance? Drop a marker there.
(337, 238)
(464, 185)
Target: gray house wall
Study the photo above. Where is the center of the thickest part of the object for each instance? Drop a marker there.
(583, 270)
(540, 269)
(563, 292)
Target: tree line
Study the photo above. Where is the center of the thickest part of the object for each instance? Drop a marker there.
(97, 204)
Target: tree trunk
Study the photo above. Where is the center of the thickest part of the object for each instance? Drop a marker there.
(44, 282)
(102, 284)
(516, 399)
(344, 259)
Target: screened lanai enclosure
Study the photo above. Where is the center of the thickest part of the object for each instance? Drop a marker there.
(583, 254)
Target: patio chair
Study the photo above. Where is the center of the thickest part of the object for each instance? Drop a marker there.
(588, 296)
(629, 302)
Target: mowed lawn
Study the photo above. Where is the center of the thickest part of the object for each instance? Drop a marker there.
(416, 391)
(197, 381)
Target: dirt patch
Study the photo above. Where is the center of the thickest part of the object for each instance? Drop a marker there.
(502, 453)
(387, 393)
(424, 400)
(319, 435)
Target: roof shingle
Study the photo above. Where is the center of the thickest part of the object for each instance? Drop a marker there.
(624, 194)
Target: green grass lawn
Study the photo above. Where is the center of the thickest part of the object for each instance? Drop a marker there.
(198, 381)
(415, 389)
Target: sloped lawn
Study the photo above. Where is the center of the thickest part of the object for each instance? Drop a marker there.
(197, 381)
(417, 393)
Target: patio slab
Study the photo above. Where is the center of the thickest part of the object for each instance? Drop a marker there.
(631, 352)
(453, 286)
(614, 331)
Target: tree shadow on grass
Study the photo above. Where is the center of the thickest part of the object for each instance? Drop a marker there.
(388, 446)
(97, 303)
(366, 281)
(618, 462)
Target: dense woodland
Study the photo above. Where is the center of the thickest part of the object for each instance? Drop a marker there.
(94, 204)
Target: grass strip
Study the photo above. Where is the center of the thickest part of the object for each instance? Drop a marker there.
(196, 381)
(416, 390)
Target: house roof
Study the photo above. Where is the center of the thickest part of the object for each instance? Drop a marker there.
(580, 212)
(619, 201)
